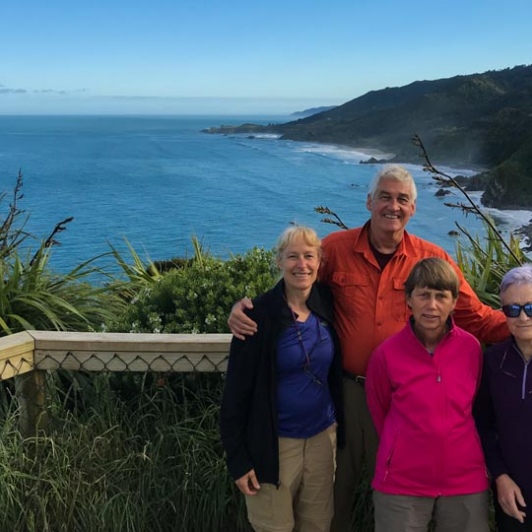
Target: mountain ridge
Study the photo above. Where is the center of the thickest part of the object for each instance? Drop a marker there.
(480, 121)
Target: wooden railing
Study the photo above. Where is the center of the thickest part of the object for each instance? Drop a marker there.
(28, 355)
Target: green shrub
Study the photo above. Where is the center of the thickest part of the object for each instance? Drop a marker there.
(197, 297)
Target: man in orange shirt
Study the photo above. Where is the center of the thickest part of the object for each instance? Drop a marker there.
(366, 268)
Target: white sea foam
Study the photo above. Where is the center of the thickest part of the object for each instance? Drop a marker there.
(507, 221)
(348, 155)
(267, 136)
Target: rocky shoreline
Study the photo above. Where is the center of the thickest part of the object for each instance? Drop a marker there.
(526, 233)
(474, 188)
(477, 183)
(474, 183)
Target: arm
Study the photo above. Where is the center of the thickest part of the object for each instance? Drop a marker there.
(239, 323)
(509, 496)
(484, 414)
(508, 493)
(235, 409)
(378, 389)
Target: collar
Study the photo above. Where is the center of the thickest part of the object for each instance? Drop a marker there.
(315, 302)
(362, 244)
(516, 347)
(449, 324)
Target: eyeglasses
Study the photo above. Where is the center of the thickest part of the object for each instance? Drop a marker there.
(513, 311)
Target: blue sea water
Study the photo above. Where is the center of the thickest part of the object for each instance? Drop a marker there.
(157, 181)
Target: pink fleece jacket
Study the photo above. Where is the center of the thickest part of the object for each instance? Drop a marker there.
(421, 405)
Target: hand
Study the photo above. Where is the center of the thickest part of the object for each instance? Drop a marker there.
(248, 484)
(509, 496)
(240, 324)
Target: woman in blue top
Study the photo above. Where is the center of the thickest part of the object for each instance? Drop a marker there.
(282, 398)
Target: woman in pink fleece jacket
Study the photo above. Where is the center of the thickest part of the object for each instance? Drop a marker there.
(420, 387)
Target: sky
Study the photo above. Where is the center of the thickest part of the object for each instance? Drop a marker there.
(242, 57)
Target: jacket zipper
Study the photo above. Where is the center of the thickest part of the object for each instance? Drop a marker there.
(523, 384)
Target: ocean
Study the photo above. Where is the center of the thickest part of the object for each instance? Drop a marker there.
(158, 181)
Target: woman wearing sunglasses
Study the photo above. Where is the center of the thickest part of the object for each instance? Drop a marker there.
(503, 410)
(282, 397)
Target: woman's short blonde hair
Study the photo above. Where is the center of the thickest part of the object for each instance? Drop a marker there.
(297, 232)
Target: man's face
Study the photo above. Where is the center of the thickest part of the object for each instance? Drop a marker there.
(392, 206)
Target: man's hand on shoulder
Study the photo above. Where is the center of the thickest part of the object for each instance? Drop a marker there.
(240, 324)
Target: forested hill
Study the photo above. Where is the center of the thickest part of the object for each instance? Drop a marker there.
(479, 120)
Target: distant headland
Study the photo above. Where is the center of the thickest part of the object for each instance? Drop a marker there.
(479, 121)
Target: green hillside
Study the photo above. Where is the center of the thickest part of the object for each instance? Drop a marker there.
(481, 121)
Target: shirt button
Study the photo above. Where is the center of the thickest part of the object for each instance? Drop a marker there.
(379, 323)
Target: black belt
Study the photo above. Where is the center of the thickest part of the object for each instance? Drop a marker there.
(359, 379)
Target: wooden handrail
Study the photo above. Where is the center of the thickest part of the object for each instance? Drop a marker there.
(52, 350)
(28, 355)
(16, 355)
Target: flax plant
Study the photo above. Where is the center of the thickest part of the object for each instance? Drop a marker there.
(32, 296)
(483, 260)
(137, 273)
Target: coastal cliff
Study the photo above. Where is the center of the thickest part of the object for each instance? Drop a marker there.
(480, 121)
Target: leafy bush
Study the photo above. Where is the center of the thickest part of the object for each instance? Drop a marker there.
(197, 297)
(180, 423)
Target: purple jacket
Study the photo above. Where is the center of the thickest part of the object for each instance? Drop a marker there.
(421, 405)
(503, 412)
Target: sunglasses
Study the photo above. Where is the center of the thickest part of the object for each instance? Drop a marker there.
(513, 311)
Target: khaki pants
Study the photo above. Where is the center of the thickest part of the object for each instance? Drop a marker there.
(403, 513)
(360, 447)
(304, 499)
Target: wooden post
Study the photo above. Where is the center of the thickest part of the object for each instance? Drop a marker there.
(31, 393)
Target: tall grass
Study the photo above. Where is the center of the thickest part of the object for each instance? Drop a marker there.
(126, 462)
